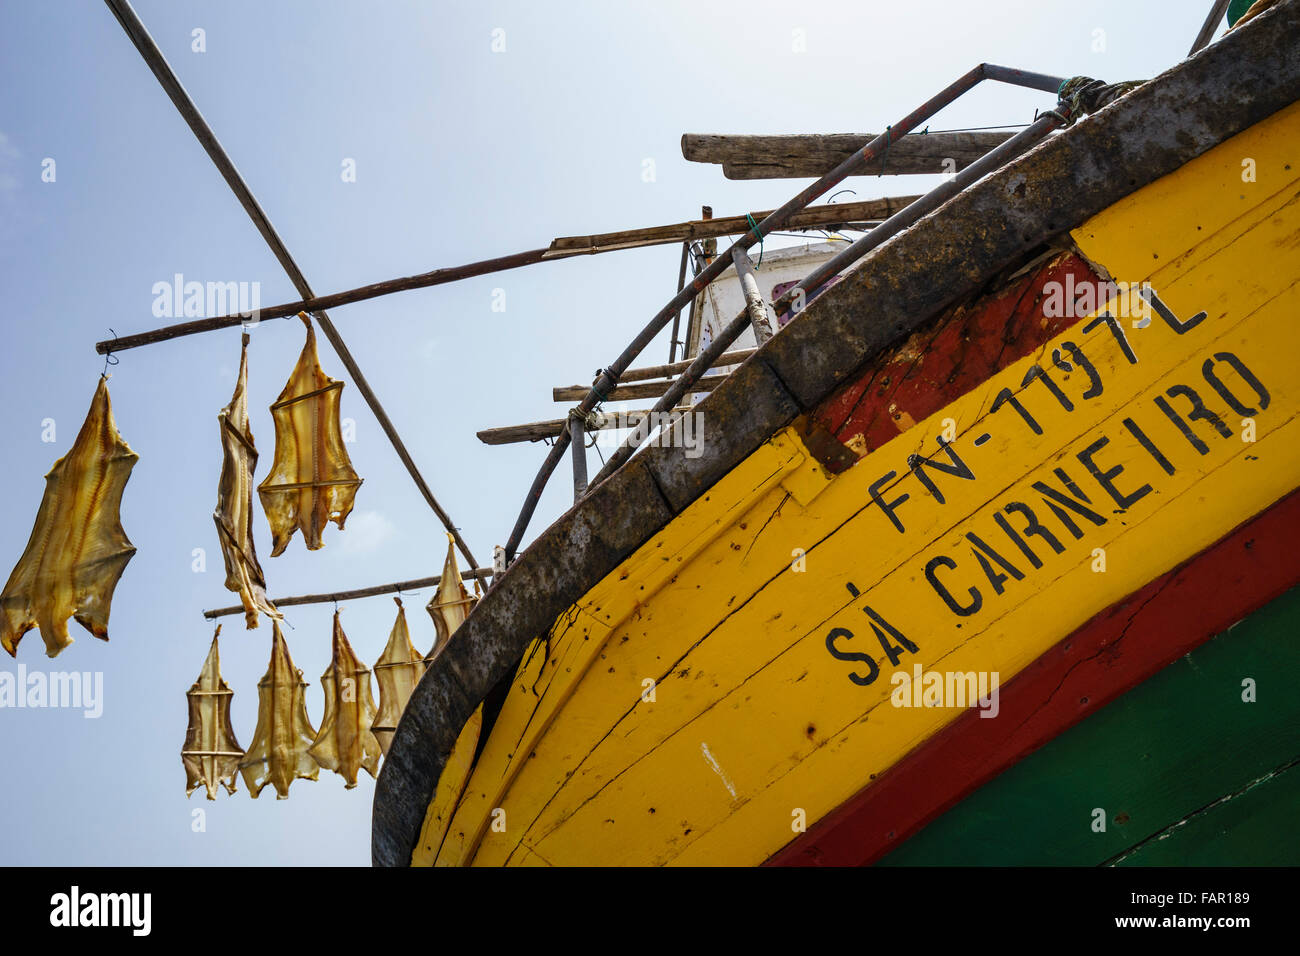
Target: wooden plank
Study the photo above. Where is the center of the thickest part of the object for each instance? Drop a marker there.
(536, 431)
(450, 787)
(1172, 615)
(812, 155)
(570, 393)
(676, 368)
(825, 216)
(1175, 745)
(1253, 826)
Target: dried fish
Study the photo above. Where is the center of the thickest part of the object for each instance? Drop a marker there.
(234, 514)
(398, 670)
(451, 603)
(345, 743)
(311, 480)
(211, 753)
(77, 550)
(279, 754)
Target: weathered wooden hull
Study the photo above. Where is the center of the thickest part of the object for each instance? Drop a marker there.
(929, 469)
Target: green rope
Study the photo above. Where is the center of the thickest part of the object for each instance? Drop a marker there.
(753, 227)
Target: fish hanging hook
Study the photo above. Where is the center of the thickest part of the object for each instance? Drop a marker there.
(109, 358)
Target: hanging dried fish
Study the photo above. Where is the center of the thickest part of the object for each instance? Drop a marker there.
(278, 754)
(311, 480)
(211, 754)
(345, 742)
(78, 550)
(398, 670)
(234, 514)
(451, 603)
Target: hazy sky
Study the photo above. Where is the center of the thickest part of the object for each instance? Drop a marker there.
(460, 153)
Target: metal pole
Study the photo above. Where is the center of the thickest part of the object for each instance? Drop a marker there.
(677, 319)
(754, 304)
(577, 432)
(1026, 78)
(608, 377)
(1210, 26)
(135, 29)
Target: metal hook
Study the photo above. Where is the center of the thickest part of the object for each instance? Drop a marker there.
(109, 357)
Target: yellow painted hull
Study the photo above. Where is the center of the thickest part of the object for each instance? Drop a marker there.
(734, 681)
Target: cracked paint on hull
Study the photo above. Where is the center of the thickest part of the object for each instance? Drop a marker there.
(965, 346)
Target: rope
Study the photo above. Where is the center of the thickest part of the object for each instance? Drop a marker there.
(889, 137)
(590, 421)
(753, 227)
(1082, 95)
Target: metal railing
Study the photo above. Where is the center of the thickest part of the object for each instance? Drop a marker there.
(608, 377)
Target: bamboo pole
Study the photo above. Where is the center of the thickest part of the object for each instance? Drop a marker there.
(171, 84)
(838, 214)
(481, 574)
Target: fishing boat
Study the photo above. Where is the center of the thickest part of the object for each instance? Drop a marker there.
(985, 555)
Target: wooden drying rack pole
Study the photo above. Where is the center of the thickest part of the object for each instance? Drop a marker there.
(481, 574)
(212, 146)
(539, 431)
(620, 393)
(838, 214)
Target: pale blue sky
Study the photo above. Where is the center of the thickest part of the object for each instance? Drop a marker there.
(461, 154)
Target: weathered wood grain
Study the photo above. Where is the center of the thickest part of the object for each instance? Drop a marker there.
(812, 155)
